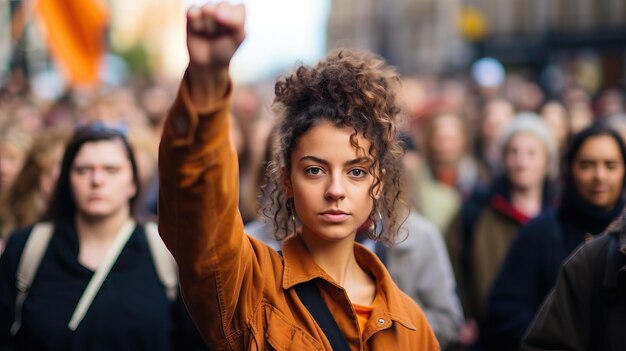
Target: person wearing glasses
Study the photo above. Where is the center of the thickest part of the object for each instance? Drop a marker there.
(338, 165)
(99, 284)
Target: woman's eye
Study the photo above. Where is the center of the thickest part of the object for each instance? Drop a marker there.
(313, 171)
(81, 170)
(357, 172)
(112, 170)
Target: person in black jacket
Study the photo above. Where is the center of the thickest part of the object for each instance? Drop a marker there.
(587, 308)
(591, 199)
(90, 210)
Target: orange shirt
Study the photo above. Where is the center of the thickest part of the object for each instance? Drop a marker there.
(363, 314)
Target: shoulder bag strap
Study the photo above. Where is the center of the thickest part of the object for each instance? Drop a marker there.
(33, 252)
(310, 296)
(163, 261)
(101, 273)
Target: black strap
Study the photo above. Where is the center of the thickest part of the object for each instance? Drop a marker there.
(309, 294)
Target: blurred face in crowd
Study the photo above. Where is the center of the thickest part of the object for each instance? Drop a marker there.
(581, 116)
(447, 141)
(497, 115)
(51, 172)
(555, 116)
(11, 161)
(101, 178)
(598, 171)
(29, 117)
(525, 161)
(611, 103)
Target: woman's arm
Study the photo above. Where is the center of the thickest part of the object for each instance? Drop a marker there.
(198, 215)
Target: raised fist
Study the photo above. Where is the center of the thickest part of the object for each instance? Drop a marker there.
(214, 32)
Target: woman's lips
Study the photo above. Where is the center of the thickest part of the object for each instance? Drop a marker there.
(334, 216)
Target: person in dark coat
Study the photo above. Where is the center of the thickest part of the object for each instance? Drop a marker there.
(591, 199)
(587, 308)
(91, 215)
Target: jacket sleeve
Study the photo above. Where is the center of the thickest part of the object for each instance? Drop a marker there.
(562, 323)
(199, 220)
(516, 293)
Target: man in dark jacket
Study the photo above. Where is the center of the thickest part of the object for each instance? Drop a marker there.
(587, 309)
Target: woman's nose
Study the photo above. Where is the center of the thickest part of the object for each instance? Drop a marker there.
(336, 189)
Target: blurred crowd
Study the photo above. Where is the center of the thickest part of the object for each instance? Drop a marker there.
(487, 169)
(34, 131)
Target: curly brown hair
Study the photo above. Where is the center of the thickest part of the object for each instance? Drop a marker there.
(349, 88)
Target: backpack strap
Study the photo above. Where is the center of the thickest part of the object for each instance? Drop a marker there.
(163, 261)
(311, 298)
(101, 273)
(33, 252)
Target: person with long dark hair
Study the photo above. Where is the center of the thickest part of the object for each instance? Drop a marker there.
(102, 282)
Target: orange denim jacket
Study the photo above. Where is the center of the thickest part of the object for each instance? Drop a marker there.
(238, 290)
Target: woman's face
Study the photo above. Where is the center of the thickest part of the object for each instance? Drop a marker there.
(11, 161)
(330, 183)
(598, 171)
(50, 174)
(498, 115)
(526, 161)
(448, 140)
(101, 178)
(555, 116)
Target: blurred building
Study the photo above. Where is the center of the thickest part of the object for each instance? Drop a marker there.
(438, 35)
(414, 35)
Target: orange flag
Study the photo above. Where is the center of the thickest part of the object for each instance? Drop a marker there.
(75, 30)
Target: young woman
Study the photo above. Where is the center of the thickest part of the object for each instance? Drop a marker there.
(337, 166)
(91, 215)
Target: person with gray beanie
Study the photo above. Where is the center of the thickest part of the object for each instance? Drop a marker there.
(491, 220)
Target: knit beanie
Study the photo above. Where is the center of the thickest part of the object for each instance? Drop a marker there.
(530, 123)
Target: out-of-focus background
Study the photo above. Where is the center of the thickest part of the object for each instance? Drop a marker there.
(551, 40)
(475, 74)
(528, 50)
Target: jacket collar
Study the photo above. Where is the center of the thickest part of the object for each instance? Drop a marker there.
(299, 267)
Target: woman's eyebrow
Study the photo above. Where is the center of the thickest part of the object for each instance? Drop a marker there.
(347, 163)
(358, 161)
(314, 159)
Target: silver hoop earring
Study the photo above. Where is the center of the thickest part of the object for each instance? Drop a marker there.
(292, 213)
(378, 227)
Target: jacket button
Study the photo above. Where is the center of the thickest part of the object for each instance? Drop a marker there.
(381, 321)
